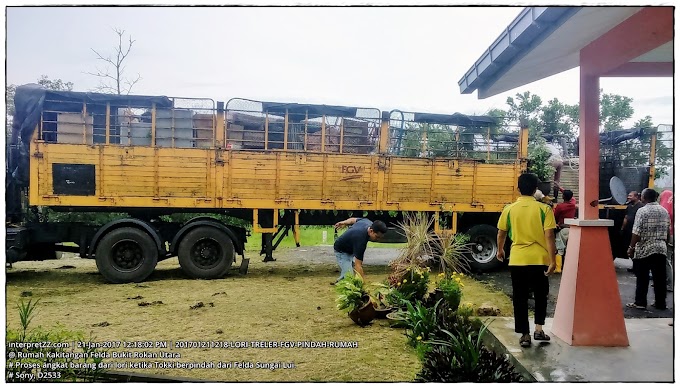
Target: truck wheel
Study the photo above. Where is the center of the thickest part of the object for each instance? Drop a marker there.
(483, 248)
(206, 253)
(126, 255)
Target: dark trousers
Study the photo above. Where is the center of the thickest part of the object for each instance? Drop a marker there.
(657, 264)
(525, 279)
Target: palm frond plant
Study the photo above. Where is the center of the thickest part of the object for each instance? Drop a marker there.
(419, 236)
(452, 250)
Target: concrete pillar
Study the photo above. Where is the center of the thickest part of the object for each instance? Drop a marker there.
(588, 310)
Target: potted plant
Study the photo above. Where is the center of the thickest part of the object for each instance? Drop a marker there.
(412, 284)
(449, 288)
(539, 164)
(382, 301)
(397, 319)
(352, 297)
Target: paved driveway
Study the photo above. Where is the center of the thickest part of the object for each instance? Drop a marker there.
(501, 280)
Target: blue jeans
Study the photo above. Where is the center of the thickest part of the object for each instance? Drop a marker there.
(345, 261)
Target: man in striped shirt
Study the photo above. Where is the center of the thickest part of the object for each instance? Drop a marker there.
(651, 232)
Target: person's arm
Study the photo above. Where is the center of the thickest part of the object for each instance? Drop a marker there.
(358, 267)
(500, 241)
(625, 222)
(503, 227)
(637, 230)
(359, 250)
(550, 241)
(549, 235)
(631, 249)
(347, 222)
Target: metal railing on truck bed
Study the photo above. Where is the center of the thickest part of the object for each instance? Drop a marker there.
(149, 156)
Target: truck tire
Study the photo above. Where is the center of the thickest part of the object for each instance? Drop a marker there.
(126, 255)
(483, 248)
(206, 253)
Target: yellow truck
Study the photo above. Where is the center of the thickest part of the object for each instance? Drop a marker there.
(277, 165)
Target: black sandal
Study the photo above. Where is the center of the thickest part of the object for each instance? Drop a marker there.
(525, 341)
(541, 336)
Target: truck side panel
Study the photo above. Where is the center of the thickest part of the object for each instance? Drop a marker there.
(173, 177)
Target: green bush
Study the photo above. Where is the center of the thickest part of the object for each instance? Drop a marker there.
(458, 355)
(228, 220)
(422, 349)
(396, 299)
(421, 322)
(90, 218)
(466, 310)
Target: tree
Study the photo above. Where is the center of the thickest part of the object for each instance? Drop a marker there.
(559, 119)
(56, 84)
(638, 150)
(501, 120)
(112, 76)
(525, 106)
(614, 110)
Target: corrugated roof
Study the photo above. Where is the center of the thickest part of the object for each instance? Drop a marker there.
(541, 42)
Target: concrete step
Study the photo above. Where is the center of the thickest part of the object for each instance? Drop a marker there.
(569, 180)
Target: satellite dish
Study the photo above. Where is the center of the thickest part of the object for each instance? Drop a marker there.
(618, 190)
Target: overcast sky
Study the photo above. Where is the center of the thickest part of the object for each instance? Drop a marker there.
(385, 58)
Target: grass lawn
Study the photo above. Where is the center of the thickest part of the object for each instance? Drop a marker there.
(309, 236)
(282, 301)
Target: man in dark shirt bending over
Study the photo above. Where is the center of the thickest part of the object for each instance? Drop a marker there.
(351, 245)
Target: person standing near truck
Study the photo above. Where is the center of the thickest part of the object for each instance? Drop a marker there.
(648, 247)
(351, 245)
(634, 205)
(566, 209)
(666, 201)
(531, 227)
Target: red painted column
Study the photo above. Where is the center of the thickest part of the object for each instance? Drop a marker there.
(589, 147)
(588, 310)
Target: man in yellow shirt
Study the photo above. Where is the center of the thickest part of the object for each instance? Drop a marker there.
(531, 227)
